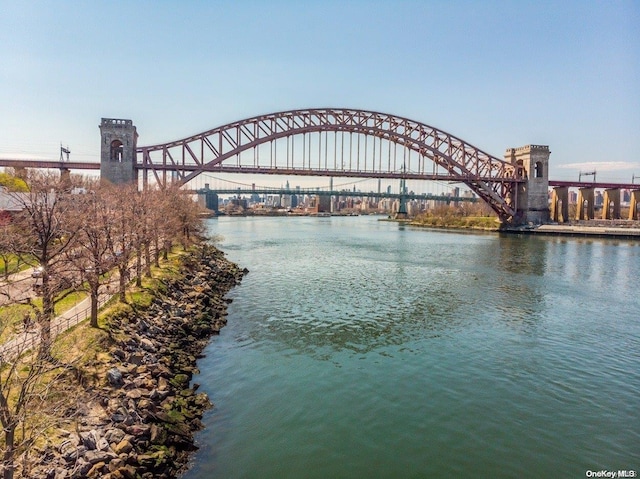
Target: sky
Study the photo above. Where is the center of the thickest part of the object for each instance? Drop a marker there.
(498, 74)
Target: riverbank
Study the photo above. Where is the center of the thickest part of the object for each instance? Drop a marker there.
(614, 229)
(478, 223)
(580, 230)
(135, 412)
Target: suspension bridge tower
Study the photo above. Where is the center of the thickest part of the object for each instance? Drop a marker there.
(118, 151)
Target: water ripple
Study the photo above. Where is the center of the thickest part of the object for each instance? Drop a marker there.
(358, 349)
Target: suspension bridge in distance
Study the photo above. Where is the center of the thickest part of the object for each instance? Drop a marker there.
(336, 193)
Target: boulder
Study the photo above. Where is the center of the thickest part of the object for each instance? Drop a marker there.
(89, 439)
(94, 457)
(123, 446)
(115, 378)
(150, 413)
(114, 435)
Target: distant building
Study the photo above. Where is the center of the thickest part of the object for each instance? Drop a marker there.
(573, 197)
(239, 202)
(324, 204)
(211, 201)
(9, 205)
(599, 198)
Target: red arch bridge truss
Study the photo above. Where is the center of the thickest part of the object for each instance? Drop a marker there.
(335, 142)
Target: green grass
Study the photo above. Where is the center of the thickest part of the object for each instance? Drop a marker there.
(12, 315)
(69, 302)
(11, 264)
(11, 320)
(466, 222)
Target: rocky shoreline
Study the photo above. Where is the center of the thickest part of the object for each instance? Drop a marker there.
(139, 422)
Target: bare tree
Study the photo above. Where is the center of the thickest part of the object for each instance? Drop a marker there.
(187, 225)
(34, 396)
(24, 381)
(157, 217)
(166, 224)
(141, 207)
(122, 244)
(93, 254)
(10, 186)
(10, 237)
(48, 224)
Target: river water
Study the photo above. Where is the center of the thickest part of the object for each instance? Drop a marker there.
(359, 348)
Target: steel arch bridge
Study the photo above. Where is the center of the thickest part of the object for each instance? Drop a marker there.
(336, 142)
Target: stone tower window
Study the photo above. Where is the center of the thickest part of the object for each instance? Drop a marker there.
(539, 169)
(116, 150)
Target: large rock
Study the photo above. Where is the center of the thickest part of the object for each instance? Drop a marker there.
(114, 376)
(150, 412)
(123, 446)
(89, 439)
(94, 457)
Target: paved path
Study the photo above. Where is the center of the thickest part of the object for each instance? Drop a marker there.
(18, 287)
(30, 338)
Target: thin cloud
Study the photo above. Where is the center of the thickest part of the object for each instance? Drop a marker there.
(601, 165)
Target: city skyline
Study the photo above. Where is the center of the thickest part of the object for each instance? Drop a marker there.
(497, 74)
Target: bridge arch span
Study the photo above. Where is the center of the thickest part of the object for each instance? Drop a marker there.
(426, 152)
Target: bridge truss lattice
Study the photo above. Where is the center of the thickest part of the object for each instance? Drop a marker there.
(335, 142)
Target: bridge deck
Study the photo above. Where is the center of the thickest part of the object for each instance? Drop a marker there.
(88, 165)
(584, 184)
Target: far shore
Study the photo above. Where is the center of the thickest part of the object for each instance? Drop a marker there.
(594, 228)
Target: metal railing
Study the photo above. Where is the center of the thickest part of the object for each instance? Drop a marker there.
(58, 327)
(29, 339)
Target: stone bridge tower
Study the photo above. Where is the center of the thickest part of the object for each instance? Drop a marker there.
(533, 196)
(118, 151)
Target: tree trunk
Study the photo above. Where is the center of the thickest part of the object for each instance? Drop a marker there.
(8, 459)
(94, 304)
(139, 266)
(45, 319)
(6, 268)
(122, 271)
(147, 259)
(156, 253)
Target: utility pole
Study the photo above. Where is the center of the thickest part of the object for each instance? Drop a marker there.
(64, 151)
(589, 173)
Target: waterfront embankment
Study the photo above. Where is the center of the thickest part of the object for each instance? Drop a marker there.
(137, 417)
(599, 230)
(605, 229)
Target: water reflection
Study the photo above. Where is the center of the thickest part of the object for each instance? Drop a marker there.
(361, 289)
(369, 294)
(358, 322)
(521, 254)
(460, 348)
